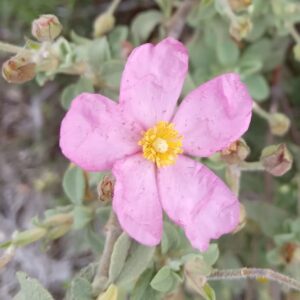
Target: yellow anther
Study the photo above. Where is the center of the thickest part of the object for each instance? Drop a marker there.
(161, 144)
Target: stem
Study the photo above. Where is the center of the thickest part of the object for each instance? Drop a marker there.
(114, 6)
(255, 273)
(176, 24)
(251, 166)
(261, 112)
(10, 48)
(113, 232)
(233, 176)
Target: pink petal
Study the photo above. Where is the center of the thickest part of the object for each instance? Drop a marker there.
(152, 81)
(136, 201)
(214, 115)
(95, 133)
(197, 200)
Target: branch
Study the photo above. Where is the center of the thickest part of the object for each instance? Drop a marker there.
(255, 273)
(5, 47)
(113, 232)
(176, 24)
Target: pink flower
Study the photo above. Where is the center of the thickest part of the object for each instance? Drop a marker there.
(147, 142)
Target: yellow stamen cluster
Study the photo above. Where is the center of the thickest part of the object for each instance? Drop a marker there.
(161, 144)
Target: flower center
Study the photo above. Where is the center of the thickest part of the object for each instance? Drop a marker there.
(161, 144)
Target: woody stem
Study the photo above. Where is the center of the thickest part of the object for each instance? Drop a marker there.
(255, 273)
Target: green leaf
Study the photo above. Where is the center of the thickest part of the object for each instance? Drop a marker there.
(170, 239)
(111, 72)
(95, 240)
(209, 293)
(74, 184)
(74, 89)
(118, 256)
(227, 50)
(115, 38)
(165, 280)
(142, 289)
(258, 87)
(82, 216)
(98, 53)
(211, 255)
(143, 24)
(31, 289)
(138, 260)
(80, 289)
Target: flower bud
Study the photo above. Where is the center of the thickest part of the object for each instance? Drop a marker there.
(105, 188)
(103, 24)
(240, 27)
(236, 152)
(279, 124)
(29, 236)
(296, 51)
(276, 159)
(18, 69)
(290, 253)
(46, 28)
(238, 5)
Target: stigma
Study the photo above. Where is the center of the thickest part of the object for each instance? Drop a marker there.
(161, 144)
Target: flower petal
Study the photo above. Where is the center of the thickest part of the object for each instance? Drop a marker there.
(214, 115)
(197, 200)
(136, 201)
(95, 133)
(152, 81)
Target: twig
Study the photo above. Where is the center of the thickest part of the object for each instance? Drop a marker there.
(176, 24)
(113, 232)
(255, 273)
(6, 47)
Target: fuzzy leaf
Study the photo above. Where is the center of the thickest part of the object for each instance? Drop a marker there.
(82, 216)
(144, 23)
(74, 184)
(73, 90)
(138, 260)
(165, 280)
(31, 289)
(118, 257)
(80, 289)
(258, 87)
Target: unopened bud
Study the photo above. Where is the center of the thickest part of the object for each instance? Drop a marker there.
(240, 28)
(290, 252)
(242, 219)
(18, 69)
(296, 51)
(279, 124)
(236, 152)
(105, 188)
(46, 28)
(276, 159)
(238, 5)
(103, 24)
(29, 236)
